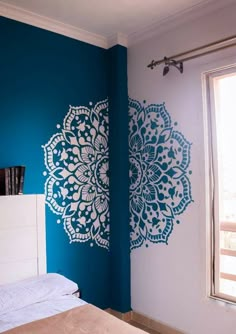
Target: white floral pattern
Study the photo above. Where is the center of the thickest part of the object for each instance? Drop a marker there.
(77, 183)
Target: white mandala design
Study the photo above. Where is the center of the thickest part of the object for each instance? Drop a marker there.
(77, 183)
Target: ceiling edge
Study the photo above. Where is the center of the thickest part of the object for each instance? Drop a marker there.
(176, 20)
(43, 22)
(19, 14)
(118, 38)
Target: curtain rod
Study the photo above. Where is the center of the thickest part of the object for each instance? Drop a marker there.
(171, 61)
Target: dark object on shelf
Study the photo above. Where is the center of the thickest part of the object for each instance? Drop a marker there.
(21, 179)
(5, 181)
(12, 180)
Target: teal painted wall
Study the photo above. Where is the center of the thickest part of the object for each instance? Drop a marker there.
(119, 179)
(41, 74)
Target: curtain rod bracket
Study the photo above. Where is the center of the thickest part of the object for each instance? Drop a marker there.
(172, 62)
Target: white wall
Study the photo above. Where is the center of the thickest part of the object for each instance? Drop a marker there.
(169, 282)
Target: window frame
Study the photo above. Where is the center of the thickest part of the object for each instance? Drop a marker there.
(212, 198)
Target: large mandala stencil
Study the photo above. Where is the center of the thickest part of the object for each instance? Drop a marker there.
(160, 188)
(77, 184)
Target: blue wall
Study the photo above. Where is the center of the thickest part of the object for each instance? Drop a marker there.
(41, 74)
(119, 179)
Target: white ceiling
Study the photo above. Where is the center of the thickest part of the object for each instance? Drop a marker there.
(106, 18)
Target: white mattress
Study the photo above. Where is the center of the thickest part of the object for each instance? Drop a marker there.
(38, 311)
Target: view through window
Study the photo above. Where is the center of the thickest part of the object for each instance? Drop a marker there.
(222, 92)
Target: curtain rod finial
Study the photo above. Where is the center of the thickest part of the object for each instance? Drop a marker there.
(152, 64)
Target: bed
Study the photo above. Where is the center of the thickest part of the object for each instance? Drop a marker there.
(32, 301)
(47, 304)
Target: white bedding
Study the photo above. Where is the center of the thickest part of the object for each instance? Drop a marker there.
(38, 311)
(15, 296)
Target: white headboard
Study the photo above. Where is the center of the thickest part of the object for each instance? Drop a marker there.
(22, 237)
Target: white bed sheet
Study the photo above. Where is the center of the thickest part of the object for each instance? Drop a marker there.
(39, 311)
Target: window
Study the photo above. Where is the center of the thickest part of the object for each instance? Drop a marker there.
(221, 113)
